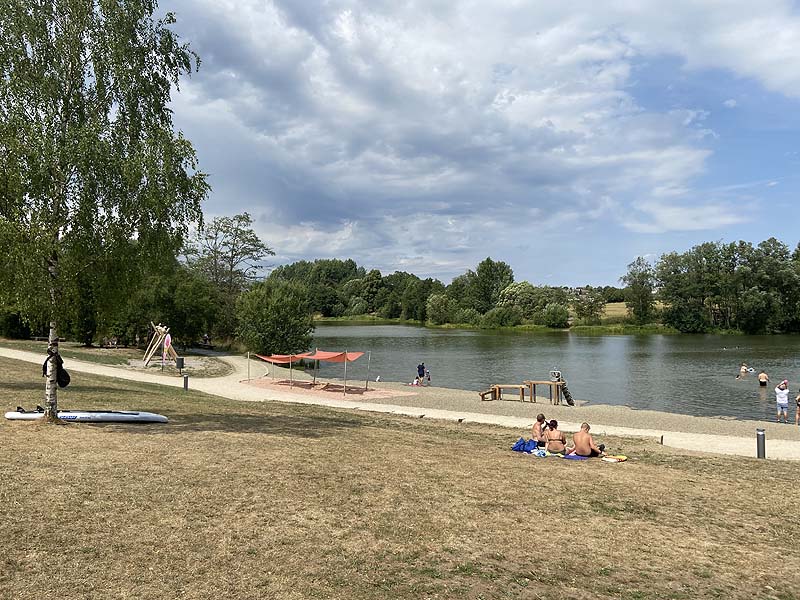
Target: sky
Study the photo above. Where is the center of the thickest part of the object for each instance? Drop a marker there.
(564, 138)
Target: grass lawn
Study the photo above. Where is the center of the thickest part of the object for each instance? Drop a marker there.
(252, 500)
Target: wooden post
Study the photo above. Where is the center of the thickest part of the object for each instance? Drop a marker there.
(366, 383)
(344, 393)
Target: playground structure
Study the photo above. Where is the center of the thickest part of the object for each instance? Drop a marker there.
(161, 339)
(556, 383)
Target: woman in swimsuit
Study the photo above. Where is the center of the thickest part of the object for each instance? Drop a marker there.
(555, 440)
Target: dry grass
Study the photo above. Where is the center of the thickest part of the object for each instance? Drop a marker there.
(199, 365)
(250, 500)
(615, 310)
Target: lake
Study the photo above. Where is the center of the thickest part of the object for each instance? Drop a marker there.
(688, 374)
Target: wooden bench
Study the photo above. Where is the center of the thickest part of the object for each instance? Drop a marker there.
(498, 387)
(555, 389)
(490, 392)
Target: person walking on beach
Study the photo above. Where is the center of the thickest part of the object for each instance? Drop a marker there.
(421, 372)
(782, 401)
(763, 378)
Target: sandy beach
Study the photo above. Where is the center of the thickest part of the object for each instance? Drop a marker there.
(437, 398)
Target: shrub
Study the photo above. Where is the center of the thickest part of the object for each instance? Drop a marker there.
(502, 316)
(555, 316)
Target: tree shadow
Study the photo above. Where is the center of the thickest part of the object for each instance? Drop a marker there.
(306, 427)
(23, 385)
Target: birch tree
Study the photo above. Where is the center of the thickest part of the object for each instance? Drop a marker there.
(93, 175)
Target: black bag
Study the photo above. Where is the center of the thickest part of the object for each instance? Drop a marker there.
(62, 377)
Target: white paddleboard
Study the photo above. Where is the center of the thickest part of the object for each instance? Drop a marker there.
(93, 416)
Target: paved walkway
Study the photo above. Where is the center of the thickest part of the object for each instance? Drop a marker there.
(234, 387)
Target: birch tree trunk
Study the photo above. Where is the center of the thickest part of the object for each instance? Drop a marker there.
(51, 386)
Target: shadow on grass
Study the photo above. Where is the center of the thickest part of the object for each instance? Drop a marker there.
(285, 425)
(23, 385)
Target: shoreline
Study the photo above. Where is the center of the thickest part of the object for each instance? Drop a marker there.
(597, 415)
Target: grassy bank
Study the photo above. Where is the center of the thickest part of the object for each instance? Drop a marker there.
(250, 500)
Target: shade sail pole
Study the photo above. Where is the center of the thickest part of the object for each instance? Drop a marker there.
(316, 366)
(366, 383)
(291, 379)
(345, 373)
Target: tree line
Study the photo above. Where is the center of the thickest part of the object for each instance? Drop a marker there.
(719, 286)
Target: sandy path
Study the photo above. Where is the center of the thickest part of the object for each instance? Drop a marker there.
(704, 434)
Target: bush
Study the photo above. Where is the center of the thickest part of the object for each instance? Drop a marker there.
(687, 317)
(467, 316)
(502, 316)
(12, 326)
(555, 316)
(440, 309)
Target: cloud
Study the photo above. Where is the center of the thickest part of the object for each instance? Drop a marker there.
(413, 132)
(656, 217)
(730, 103)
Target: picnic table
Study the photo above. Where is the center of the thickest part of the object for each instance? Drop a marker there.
(555, 389)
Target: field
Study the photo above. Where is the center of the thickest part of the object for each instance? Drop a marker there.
(267, 500)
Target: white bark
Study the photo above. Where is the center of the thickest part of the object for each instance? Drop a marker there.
(51, 386)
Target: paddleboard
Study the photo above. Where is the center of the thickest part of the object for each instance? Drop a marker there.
(93, 416)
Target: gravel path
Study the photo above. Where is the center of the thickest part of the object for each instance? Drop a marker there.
(705, 434)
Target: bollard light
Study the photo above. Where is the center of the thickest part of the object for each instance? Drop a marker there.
(185, 382)
(761, 445)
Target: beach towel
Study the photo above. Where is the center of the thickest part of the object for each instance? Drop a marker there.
(614, 458)
(576, 457)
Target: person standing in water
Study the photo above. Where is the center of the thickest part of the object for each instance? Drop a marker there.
(782, 401)
(763, 378)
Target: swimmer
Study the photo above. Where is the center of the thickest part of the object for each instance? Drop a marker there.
(742, 371)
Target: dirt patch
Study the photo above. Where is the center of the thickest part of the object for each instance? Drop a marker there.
(329, 389)
(194, 366)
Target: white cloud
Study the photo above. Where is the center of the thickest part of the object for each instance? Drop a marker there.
(656, 217)
(347, 121)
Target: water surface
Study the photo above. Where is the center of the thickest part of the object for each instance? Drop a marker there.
(689, 374)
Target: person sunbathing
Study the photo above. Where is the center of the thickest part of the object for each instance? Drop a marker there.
(583, 444)
(555, 440)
